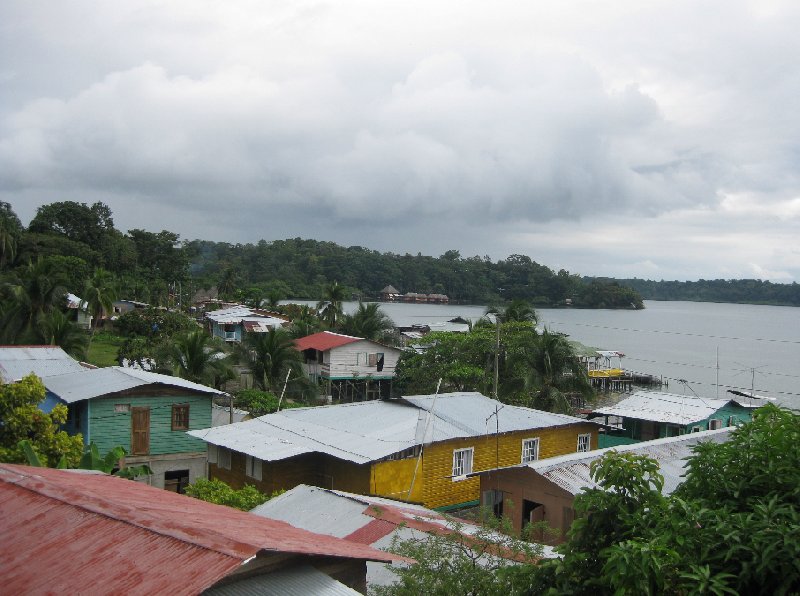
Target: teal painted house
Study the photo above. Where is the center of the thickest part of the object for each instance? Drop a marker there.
(648, 415)
(146, 413)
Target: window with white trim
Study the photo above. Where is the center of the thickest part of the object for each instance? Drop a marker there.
(462, 462)
(714, 423)
(695, 429)
(223, 458)
(253, 467)
(584, 442)
(530, 450)
(212, 453)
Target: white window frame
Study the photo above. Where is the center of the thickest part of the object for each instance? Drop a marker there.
(224, 457)
(252, 466)
(462, 462)
(696, 429)
(530, 450)
(584, 443)
(212, 453)
(714, 423)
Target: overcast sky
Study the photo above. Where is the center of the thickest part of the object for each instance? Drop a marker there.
(656, 139)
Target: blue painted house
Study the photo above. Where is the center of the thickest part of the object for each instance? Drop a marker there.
(148, 414)
(234, 323)
(648, 415)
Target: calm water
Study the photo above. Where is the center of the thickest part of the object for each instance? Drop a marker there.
(757, 345)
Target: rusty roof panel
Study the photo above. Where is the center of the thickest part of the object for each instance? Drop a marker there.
(65, 532)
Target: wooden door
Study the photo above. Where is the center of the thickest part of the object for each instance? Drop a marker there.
(140, 431)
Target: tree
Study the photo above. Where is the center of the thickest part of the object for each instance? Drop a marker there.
(518, 311)
(99, 292)
(10, 231)
(459, 562)
(196, 358)
(551, 371)
(56, 329)
(730, 528)
(75, 221)
(330, 307)
(368, 321)
(36, 292)
(272, 358)
(218, 492)
(92, 460)
(21, 418)
(227, 283)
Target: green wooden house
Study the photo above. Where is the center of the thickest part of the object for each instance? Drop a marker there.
(146, 413)
(648, 415)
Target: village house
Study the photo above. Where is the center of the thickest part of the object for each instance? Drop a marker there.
(420, 449)
(544, 490)
(146, 413)
(80, 532)
(349, 368)
(376, 521)
(232, 324)
(390, 294)
(647, 415)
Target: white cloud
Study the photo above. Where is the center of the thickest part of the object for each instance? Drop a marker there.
(637, 138)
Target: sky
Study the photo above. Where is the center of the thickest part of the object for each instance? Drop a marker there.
(651, 139)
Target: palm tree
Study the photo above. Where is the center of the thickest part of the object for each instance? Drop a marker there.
(99, 293)
(55, 329)
(551, 371)
(227, 284)
(369, 322)
(305, 322)
(271, 356)
(36, 292)
(196, 358)
(517, 311)
(330, 307)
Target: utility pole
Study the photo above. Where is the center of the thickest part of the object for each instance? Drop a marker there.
(496, 354)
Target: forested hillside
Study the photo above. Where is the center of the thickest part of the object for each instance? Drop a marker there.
(71, 241)
(741, 291)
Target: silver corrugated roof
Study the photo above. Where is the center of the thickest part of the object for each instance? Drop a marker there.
(664, 407)
(239, 313)
(43, 361)
(300, 580)
(368, 431)
(90, 383)
(572, 472)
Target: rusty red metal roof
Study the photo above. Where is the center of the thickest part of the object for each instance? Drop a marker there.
(64, 531)
(324, 340)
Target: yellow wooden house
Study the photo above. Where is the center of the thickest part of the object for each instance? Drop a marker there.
(425, 449)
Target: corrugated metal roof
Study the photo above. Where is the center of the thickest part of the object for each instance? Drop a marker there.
(359, 518)
(325, 340)
(664, 407)
(239, 313)
(91, 383)
(43, 361)
(86, 533)
(572, 472)
(367, 431)
(300, 580)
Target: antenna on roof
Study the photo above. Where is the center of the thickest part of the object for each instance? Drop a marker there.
(424, 436)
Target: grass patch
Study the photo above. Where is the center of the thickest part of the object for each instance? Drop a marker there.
(104, 348)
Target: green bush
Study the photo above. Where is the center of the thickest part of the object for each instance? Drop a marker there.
(218, 492)
(259, 402)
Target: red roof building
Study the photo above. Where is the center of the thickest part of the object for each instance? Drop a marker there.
(67, 531)
(324, 341)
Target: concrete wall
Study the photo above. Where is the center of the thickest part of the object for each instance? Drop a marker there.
(195, 463)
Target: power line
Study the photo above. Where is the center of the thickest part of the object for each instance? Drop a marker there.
(682, 333)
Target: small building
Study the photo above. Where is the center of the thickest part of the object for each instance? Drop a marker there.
(79, 310)
(420, 448)
(146, 413)
(234, 323)
(376, 521)
(120, 307)
(647, 415)
(80, 532)
(544, 490)
(390, 294)
(350, 368)
(438, 299)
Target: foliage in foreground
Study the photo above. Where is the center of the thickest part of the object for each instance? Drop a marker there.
(465, 563)
(218, 492)
(21, 419)
(732, 527)
(92, 460)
